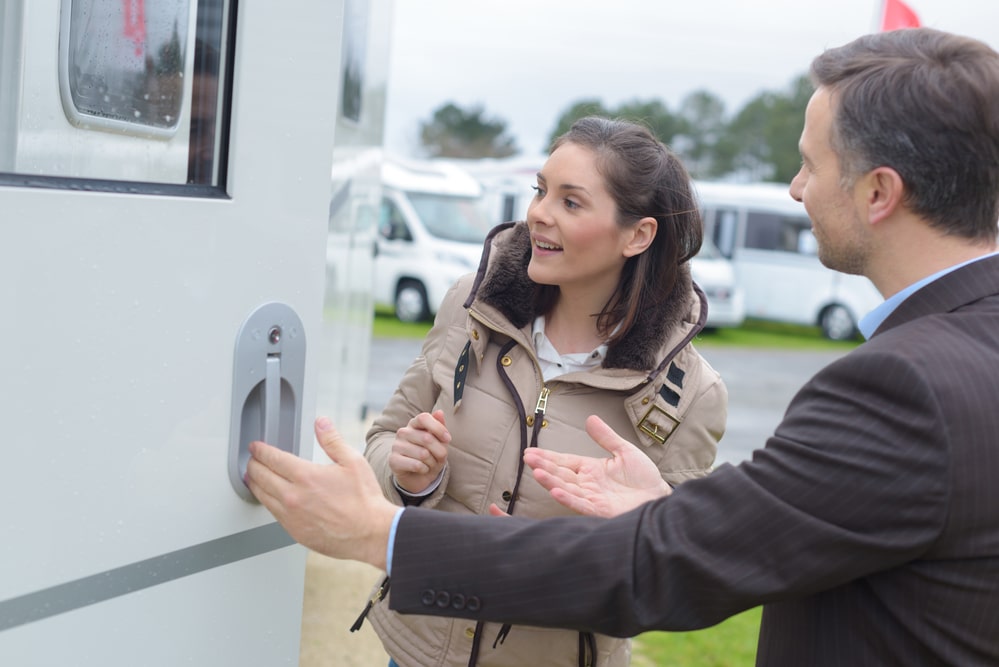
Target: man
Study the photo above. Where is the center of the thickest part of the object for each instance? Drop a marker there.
(868, 526)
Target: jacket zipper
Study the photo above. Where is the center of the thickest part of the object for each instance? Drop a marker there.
(542, 401)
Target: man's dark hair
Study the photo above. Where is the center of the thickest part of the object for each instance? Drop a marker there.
(926, 104)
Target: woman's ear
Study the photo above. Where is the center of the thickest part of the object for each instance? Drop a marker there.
(643, 233)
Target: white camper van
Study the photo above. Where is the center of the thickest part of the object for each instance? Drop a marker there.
(768, 237)
(167, 221)
(430, 233)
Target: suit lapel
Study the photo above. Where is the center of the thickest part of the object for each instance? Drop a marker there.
(958, 288)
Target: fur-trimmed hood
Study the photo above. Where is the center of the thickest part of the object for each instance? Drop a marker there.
(502, 282)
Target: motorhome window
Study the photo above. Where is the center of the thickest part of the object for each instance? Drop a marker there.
(724, 224)
(129, 91)
(392, 223)
(771, 231)
(355, 46)
(125, 64)
(205, 156)
(451, 218)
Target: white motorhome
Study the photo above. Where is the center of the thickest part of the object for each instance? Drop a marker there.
(768, 237)
(430, 233)
(168, 230)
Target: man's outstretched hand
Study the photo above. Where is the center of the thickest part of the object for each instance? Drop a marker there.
(599, 486)
(337, 510)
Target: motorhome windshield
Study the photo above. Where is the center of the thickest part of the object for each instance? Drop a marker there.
(451, 218)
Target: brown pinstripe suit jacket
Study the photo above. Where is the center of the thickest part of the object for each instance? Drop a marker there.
(868, 526)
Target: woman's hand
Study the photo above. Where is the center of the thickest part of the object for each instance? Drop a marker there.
(419, 451)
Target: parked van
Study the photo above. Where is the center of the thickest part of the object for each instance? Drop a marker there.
(768, 237)
(716, 276)
(430, 233)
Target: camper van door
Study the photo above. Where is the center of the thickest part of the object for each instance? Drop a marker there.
(136, 269)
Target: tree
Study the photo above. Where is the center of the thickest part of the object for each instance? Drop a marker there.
(580, 109)
(654, 115)
(762, 140)
(466, 133)
(702, 120)
(651, 113)
(760, 143)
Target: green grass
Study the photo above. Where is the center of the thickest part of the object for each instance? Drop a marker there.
(731, 643)
(753, 333)
(386, 325)
(761, 333)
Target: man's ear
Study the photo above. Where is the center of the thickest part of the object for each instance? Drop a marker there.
(883, 192)
(643, 233)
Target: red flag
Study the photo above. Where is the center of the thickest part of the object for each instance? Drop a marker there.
(897, 15)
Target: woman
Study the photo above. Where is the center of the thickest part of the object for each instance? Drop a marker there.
(585, 308)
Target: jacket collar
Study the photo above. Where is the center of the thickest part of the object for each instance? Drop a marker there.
(502, 283)
(951, 291)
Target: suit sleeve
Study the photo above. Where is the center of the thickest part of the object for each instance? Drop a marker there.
(853, 481)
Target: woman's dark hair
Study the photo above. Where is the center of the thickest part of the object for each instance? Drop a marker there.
(645, 179)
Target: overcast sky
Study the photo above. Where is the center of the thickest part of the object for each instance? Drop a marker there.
(527, 61)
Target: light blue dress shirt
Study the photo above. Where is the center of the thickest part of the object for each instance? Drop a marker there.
(870, 322)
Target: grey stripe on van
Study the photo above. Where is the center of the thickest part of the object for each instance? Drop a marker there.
(142, 574)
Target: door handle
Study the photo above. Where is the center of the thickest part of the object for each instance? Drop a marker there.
(268, 374)
(272, 398)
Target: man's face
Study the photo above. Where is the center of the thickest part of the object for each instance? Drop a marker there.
(842, 236)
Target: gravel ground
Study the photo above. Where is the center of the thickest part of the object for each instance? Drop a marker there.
(335, 593)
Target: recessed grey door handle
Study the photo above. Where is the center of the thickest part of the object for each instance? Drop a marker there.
(272, 398)
(268, 374)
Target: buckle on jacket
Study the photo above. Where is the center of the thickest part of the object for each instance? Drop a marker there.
(655, 427)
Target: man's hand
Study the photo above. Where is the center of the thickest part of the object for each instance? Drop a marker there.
(337, 510)
(599, 487)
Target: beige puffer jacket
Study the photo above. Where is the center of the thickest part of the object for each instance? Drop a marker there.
(479, 366)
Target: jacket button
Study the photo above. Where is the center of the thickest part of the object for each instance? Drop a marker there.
(506, 360)
(473, 604)
(475, 334)
(507, 496)
(427, 597)
(458, 601)
(470, 633)
(530, 420)
(443, 599)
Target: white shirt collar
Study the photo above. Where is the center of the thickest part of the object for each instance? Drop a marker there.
(553, 363)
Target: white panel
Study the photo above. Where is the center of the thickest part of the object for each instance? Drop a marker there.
(246, 614)
(120, 314)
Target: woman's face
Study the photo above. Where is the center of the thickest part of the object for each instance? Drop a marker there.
(575, 239)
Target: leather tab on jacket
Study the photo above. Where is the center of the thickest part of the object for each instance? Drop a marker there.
(460, 372)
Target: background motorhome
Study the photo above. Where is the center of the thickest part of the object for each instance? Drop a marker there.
(430, 232)
(716, 276)
(768, 237)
